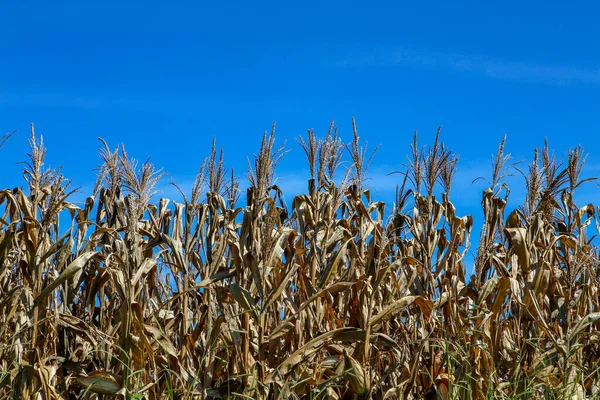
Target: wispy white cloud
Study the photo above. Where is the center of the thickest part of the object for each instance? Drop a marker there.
(79, 100)
(48, 100)
(477, 65)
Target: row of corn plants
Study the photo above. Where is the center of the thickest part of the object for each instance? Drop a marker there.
(217, 296)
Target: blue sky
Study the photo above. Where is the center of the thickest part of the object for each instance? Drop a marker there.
(164, 79)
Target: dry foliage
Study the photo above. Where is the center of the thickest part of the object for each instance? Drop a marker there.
(331, 299)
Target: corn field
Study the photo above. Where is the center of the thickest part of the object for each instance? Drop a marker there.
(230, 294)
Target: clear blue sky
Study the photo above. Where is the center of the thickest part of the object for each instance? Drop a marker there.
(164, 79)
